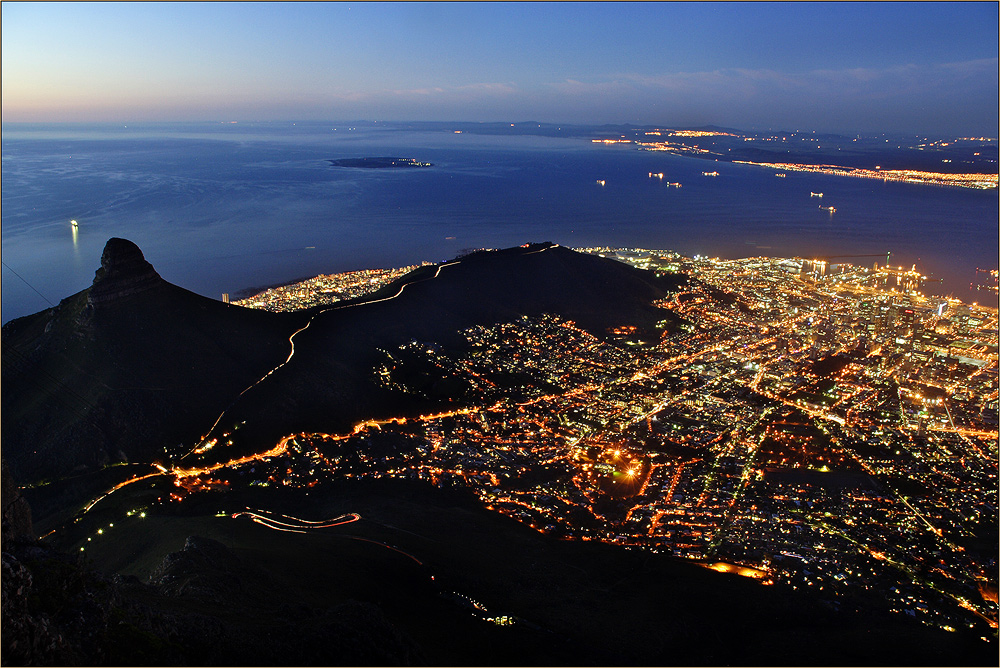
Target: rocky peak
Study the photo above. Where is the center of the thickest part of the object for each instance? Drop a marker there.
(204, 568)
(124, 272)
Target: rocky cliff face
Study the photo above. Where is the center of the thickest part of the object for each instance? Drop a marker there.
(55, 612)
(16, 512)
(124, 272)
(204, 568)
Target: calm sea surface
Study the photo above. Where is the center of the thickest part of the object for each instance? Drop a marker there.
(221, 207)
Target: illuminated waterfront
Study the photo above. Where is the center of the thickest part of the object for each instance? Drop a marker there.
(978, 181)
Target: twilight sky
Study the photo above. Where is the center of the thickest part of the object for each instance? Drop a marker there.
(914, 67)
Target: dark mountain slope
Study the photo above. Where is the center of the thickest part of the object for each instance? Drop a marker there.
(135, 365)
(329, 384)
(127, 367)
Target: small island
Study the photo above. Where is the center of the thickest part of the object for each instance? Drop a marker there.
(379, 163)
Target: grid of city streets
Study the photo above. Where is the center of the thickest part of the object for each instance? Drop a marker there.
(824, 426)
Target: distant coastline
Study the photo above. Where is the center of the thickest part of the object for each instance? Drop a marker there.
(380, 163)
(964, 162)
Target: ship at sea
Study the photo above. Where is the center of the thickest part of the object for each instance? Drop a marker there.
(709, 173)
(828, 208)
(812, 194)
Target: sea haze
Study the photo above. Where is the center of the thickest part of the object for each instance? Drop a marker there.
(222, 207)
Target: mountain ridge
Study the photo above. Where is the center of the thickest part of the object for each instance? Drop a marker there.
(135, 366)
(123, 369)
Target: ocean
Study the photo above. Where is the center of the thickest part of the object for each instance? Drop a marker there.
(221, 207)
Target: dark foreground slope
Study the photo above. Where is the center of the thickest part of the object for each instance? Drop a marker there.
(400, 586)
(126, 368)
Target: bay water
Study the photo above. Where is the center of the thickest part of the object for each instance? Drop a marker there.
(221, 207)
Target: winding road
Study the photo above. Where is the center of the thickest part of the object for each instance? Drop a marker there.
(206, 442)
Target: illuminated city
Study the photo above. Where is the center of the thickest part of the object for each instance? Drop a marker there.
(322, 290)
(500, 333)
(980, 181)
(824, 426)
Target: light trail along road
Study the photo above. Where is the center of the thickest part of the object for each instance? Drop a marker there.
(291, 524)
(296, 525)
(206, 444)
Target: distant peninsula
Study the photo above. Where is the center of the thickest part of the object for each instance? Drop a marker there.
(380, 163)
